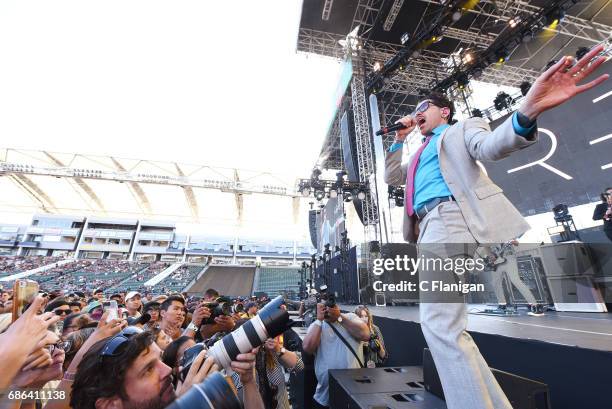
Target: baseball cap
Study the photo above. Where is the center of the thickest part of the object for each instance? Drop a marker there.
(132, 294)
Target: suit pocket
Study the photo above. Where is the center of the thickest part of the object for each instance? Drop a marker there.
(487, 190)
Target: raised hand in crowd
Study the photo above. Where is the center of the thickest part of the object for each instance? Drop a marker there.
(244, 366)
(28, 332)
(202, 367)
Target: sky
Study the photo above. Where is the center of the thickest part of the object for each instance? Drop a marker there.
(193, 81)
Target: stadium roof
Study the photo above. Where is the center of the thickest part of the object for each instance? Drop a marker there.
(69, 183)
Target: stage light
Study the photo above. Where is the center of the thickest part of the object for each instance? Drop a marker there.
(550, 64)
(401, 66)
(456, 16)
(525, 86)
(405, 37)
(462, 80)
(513, 22)
(502, 55)
(333, 193)
(361, 195)
(468, 57)
(319, 195)
(581, 52)
(437, 39)
(476, 113)
(502, 101)
(378, 66)
(528, 36)
(306, 192)
(348, 197)
(554, 18)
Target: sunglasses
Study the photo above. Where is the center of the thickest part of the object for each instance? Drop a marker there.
(423, 107)
(116, 344)
(62, 312)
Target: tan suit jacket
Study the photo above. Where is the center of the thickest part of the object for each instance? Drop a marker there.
(489, 215)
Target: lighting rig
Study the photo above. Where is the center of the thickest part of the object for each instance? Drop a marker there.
(521, 29)
(340, 187)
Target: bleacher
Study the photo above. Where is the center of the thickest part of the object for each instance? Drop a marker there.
(10, 265)
(136, 281)
(178, 280)
(278, 280)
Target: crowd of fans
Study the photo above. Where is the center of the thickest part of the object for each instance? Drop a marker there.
(17, 264)
(91, 348)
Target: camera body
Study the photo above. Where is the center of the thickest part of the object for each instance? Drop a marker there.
(373, 343)
(221, 306)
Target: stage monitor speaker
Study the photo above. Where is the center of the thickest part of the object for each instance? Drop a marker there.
(393, 387)
(523, 393)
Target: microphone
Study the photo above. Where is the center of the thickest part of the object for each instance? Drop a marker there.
(389, 129)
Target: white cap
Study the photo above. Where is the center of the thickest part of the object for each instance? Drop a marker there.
(132, 294)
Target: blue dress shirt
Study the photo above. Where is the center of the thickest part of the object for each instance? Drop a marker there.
(428, 180)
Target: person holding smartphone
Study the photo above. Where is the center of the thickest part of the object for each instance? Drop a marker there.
(603, 211)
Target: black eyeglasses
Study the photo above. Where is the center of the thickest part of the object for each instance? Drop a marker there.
(112, 346)
(62, 312)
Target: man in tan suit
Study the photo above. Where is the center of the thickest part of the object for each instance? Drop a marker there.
(451, 206)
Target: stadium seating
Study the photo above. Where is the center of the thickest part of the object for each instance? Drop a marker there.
(178, 280)
(278, 280)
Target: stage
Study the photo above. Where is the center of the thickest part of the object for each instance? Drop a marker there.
(571, 352)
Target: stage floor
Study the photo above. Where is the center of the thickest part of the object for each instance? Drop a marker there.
(584, 330)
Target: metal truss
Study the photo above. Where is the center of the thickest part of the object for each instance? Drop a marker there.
(327, 7)
(33, 190)
(365, 159)
(366, 14)
(136, 190)
(393, 13)
(189, 196)
(504, 10)
(231, 184)
(80, 183)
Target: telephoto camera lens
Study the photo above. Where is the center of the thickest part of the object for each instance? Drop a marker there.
(214, 393)
(270, 322)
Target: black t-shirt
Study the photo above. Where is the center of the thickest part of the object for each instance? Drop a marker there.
(598, 214)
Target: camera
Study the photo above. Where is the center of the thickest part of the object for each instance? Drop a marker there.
(221, 306)
(269, 323)
(214, 393)
(373, 343)
(238, 308)
(329, 300)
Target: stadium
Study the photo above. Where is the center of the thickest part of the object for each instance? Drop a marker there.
(251, 190)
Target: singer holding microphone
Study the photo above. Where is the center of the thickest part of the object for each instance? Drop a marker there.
(603, 211)
(449, 200)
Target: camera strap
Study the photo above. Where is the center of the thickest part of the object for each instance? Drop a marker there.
(345, 342)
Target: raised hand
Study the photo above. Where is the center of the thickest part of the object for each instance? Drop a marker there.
(560, 83)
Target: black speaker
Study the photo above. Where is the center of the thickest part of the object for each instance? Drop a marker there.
(523, 393)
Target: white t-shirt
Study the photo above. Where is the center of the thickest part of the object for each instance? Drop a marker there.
(334, 354)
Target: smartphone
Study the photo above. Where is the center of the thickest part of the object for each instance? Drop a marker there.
(111, 307)
(24, 292)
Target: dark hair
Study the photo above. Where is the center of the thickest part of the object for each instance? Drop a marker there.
(58, 302)
(74, 304)
(441, 100)
(211, 293)
(168, 302)
(94, 380)
(150, 305)
(76, 340)
(170, 356)
(602, 196)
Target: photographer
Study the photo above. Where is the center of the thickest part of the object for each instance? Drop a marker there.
(603, 211)
(335, 339)
(133, 375)
(374, 350)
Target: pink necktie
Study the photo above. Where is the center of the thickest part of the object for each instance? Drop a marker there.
(410, 178)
